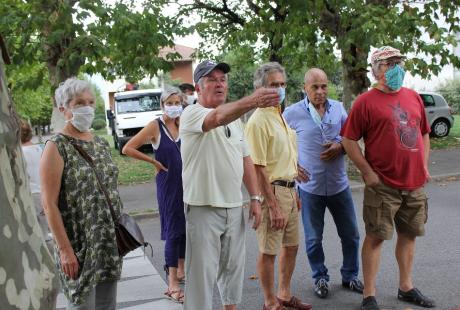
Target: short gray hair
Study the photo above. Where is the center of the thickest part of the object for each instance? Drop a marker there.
(168, 91)
(260, 76)
(71, 88)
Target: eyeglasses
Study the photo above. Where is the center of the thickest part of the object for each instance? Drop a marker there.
(227, 131)
(392, 63)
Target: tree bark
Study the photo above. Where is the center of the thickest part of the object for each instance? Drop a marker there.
(355, 80)
(27, 272)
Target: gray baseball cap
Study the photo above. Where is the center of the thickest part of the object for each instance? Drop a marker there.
(205, 67)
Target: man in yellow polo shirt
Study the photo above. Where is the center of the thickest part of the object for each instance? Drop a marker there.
(273, 150)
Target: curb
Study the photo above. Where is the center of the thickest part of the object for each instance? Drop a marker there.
(434, 178)
(141, 215)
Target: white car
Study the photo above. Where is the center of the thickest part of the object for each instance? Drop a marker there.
(438, 112)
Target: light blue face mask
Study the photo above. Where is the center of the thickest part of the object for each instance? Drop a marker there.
(394, 77)
(282, 93)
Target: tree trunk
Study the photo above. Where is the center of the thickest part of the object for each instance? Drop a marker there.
(274, 48)
(60, 65)
(355, 81)
(27, 271)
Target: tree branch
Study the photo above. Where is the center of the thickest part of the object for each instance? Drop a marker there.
(224, 11)
(329, 19)
(254, 7)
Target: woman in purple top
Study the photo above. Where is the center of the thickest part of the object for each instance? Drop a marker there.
(163, 133)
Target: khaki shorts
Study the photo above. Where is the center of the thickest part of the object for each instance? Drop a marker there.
(386, 207)
(271, 240)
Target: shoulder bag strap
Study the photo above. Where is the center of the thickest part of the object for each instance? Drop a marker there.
(90, 161)
(169, 133)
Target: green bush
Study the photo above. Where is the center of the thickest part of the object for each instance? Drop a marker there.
(450, 90)
(98, 124)
(99, 116)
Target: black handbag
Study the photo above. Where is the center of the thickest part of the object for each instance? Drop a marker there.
(128, 234)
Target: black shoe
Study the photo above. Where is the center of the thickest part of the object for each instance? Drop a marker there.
(354, 285)
(369, 303)
(416, 297)
(322, 288)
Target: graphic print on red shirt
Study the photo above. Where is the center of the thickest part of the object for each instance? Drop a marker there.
(406, 127)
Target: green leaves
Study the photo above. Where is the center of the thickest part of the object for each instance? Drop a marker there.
(30, 90)
(117, 40)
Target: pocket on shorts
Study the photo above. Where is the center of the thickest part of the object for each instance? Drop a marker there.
(372, 209)
(419, 203)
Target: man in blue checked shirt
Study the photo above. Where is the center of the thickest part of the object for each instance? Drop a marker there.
(317, 121)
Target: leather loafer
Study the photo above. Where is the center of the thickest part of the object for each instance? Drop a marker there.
(369, 303)
(416, 297)
(294, 303)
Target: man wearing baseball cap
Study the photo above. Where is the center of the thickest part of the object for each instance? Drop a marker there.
(391, 119)
(216, 161)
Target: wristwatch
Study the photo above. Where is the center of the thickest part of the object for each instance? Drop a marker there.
(259, 198)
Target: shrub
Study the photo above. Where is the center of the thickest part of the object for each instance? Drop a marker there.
(99, 124)
(450, 90)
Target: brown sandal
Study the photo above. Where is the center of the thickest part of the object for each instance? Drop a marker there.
(176, 296)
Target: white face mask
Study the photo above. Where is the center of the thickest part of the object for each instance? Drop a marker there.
(190, 99)
(82, 118)
(173, 111)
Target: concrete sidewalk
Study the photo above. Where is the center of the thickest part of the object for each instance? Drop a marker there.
(140, 287)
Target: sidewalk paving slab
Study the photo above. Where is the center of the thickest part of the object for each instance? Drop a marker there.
(140, 286)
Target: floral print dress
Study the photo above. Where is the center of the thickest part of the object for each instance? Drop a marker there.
(86, 215)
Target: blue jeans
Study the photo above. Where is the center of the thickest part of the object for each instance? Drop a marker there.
(343, 212)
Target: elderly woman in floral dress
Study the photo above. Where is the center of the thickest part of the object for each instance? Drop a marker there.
(75, 206)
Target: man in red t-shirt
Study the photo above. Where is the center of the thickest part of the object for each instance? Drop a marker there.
(391, 119)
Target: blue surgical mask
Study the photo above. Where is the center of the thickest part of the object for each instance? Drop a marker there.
(394, 77)
(282, 93)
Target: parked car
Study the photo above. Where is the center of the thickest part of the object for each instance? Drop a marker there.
(438, 112)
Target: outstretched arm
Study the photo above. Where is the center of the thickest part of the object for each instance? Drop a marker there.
(227, 113)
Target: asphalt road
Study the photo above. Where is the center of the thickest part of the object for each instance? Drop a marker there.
(436, 271)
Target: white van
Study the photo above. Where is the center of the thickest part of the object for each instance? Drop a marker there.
(131, 111)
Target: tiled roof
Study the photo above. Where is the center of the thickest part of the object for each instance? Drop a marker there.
(186, 53)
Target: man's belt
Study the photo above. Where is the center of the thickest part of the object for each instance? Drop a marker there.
(284, 183)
